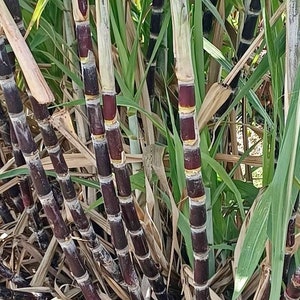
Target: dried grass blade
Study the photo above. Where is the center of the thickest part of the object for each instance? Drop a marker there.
(38, 86)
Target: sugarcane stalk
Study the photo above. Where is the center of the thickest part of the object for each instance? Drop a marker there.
(155, 25)
(37, 172)
(67, 188)
(13, 195)
(191, 145)
(23, 295)
(117, 154)
(83, 224)
(35, 221)
(292, 291)
(17, 279)
(207, 19)
(15, 10)
(80, 111)
(31, 71)
(4, 126)
(94, 112)
(290, 241)
(245, 41)
(5, 214)
(77, 93)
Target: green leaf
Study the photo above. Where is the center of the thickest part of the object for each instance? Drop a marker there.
(95, 204)
(14, 173)
(227, 180)
(283, 189)
(138, 181)
(274, 208)
(253, 245)
(63, 68)
(39, 8)
(248, 191)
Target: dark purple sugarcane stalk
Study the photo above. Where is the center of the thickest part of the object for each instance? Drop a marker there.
(22, 295)
(155, 25)
(84, 226)
(35, 221)
(92, 97)
(246, 40)
(290, 241)
(4, 127)
(292, 291)
(7, 273)
(5, 214)
(249, 27)
(117, 154)
(13, 198)
(81, 221)
(13, 192)
(39, 178)
(191, 145)
(207, 19)
(15, 10)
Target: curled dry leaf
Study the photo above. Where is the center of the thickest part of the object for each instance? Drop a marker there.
(263, 287)
(214, 99)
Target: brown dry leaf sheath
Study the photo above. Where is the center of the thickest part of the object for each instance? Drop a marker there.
(34, 78)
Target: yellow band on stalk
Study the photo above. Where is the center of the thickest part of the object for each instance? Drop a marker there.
(89, 60)
(186, 109)
(98, 137)
(111, 122)
(118, 162)
(192, 172)
(190, 142)
(198, 201)
(91, 98)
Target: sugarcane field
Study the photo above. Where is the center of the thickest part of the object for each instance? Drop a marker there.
(149, 150)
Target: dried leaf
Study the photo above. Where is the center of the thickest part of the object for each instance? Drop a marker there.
(214, 99)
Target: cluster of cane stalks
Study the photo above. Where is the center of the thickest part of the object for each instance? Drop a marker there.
(38, 175)
(94, 112)
(131, 262)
